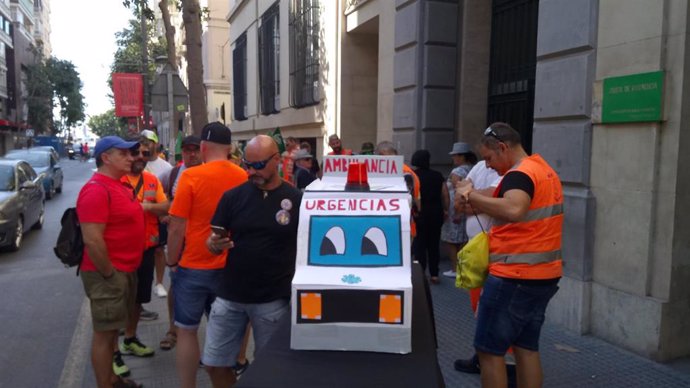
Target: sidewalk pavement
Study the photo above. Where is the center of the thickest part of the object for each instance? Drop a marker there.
(568, 359)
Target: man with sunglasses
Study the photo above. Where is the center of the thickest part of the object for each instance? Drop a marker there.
(198, 271)
(112, 224)
(148, 190)
(261, 217)
(525, 262)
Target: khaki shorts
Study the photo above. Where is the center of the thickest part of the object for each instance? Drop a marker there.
(112, 300)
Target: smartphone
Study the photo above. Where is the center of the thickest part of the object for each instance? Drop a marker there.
(220, 231)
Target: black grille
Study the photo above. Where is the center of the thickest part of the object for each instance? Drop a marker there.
(304, 52)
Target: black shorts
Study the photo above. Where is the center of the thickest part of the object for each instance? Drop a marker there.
(145, 276)
(162, 234)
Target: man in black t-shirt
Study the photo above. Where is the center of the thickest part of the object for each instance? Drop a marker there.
(261, 217)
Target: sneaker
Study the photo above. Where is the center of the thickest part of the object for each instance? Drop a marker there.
(450, 274)
(134, 347)
(119, 366)
(240, 368)
(160, 291)
(468, 366)
(147, 315)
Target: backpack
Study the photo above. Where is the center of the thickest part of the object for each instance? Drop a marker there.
(70, 243)
(69, 247)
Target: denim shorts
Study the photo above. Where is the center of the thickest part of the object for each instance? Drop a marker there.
(511, 313)
(194, 290)
(227, 325)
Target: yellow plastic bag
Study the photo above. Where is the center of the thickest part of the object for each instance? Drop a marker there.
(473, 262)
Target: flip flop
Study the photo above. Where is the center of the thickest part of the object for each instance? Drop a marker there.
(169, 341)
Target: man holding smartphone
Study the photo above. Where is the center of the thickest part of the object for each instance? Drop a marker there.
(199, 270)
(261, 216)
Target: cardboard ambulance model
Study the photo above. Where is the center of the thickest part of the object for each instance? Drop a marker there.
(352, 288)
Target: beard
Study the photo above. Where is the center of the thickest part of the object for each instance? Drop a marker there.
(138, 166)
(258, 180)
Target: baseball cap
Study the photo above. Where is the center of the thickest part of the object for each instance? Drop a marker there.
(216, 133)
(301, 154)
(149, 134)
(191, 140)
(108, 142)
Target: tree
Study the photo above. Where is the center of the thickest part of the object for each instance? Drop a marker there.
(50, 81)
(67, 88)
(191, 17)
(192, 14)
(107, 124)
(169, 33)
(39, 94)
(128, 56)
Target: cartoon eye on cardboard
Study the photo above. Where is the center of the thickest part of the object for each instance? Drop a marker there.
(355, 241)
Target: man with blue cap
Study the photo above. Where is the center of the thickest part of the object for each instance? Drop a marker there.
(112, 224)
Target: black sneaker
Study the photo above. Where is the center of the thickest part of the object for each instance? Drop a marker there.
(468, 366)
(147, 315)
(240, 368)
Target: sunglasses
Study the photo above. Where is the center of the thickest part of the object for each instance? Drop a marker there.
(260, 165)
(490, 132)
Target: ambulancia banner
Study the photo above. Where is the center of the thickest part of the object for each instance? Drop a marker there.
(128, 89)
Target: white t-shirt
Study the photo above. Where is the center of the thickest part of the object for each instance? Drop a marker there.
(482, 177)
(160, 168)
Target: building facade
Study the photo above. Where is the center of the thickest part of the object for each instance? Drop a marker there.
(426, 73)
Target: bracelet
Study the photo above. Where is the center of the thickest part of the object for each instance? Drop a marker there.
(171, 265)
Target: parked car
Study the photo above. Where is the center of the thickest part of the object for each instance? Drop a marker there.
(22, 202)
(45, 164)
(47, 148)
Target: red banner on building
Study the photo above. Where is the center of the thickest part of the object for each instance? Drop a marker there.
(129, 94)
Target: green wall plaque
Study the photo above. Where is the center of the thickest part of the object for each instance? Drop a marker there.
(633, 98)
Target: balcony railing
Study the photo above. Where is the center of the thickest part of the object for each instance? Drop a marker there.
(352, 5)
(5, 8)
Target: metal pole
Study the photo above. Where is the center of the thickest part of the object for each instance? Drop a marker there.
(145, 63)
(172, 131)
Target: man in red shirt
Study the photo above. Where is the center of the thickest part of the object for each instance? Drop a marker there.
(337, 146)
(112, 224)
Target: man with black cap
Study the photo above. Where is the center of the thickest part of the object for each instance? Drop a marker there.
(191, 157)
(198, 271)
(113, 228)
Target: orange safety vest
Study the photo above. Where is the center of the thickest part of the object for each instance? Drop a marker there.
(531, 247)
(148, 193)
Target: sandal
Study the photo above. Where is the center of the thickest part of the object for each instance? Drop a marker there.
(169, 341)
(126, 383)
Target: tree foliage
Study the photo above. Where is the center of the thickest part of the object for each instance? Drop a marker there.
(128, 56)
(107, 124)
(49, 83)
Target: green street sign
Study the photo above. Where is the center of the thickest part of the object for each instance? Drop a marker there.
(633, 98)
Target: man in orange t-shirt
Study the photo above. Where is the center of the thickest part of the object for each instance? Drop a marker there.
(198, 270)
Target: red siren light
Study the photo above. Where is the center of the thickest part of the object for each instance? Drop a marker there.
(357, 177)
